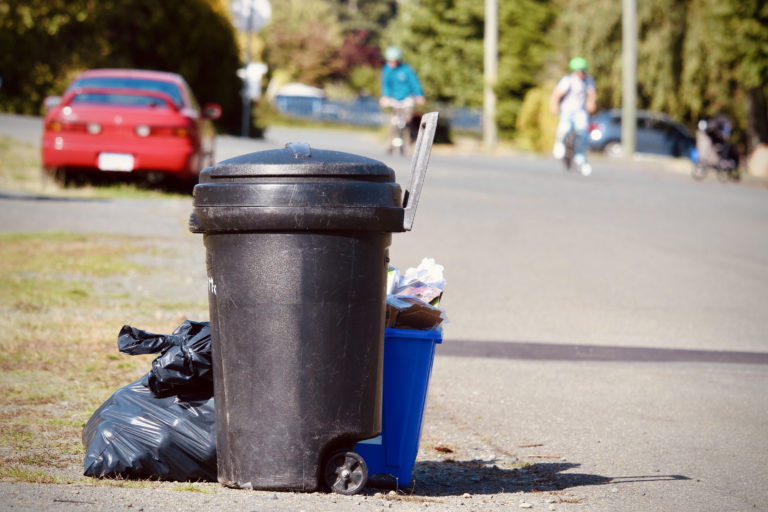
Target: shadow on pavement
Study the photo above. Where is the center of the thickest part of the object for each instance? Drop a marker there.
(454, 478)
(563, 352)
(38, 197)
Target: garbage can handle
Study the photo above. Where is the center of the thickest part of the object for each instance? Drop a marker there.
(195, 226)
(419, 163)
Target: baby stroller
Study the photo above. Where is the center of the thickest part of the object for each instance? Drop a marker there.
(713, 151)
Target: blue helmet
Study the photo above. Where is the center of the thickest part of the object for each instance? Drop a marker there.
(393, 53)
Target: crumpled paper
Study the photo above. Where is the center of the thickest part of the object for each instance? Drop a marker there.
(413, 298)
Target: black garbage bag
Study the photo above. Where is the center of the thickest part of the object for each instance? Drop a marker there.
(184, 364)
(163, 425)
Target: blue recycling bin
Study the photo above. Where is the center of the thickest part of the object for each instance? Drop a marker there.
(408, 356)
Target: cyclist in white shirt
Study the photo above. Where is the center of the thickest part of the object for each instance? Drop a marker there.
(573, 99)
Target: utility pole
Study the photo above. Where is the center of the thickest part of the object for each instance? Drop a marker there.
(629, 77)
(245, 124)
(490, 67)
(249, 16)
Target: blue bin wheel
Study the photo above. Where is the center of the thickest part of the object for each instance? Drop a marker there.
(346, 473)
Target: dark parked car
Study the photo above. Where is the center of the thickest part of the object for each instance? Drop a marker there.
(656, 133)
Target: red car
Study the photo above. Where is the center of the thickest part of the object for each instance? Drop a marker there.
(120, 121)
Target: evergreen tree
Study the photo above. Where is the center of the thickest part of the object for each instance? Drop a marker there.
(443, 41)
(695, 57)
(726, 63)
(523, 50)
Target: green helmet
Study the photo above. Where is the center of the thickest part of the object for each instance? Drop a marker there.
(393, 53)
(578, 64)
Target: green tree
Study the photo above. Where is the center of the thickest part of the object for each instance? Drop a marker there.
(695, 57)
(359, 58)
(371, 15)
(37, 38)
(45, 42)
(443, 40)
(523, 50)
(661, 28)
(302, 40)
(189, 37)
(726, 63)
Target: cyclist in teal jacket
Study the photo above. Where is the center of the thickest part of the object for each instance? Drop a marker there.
(401, 91)
(399, 80)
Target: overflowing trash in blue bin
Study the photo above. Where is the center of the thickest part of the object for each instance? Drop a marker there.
(162, 426)
(413, 298)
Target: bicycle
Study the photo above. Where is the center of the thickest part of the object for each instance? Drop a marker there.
(570, 142)
(399, 132)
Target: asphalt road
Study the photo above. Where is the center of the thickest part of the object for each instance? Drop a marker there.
(613, 329)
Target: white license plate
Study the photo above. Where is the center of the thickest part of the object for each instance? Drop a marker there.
(120, 162)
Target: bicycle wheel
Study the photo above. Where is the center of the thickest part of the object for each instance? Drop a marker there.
(568, 158)
(699, 172)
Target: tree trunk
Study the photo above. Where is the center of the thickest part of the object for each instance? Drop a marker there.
(757, 118)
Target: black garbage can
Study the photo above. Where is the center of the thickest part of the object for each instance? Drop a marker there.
(297, 250)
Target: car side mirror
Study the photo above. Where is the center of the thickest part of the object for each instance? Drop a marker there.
(51, 101)
(212, 111)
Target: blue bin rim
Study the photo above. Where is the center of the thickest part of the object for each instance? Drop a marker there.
(415, 334)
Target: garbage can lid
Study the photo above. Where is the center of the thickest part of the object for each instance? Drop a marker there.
(297, 159)
(297, 188)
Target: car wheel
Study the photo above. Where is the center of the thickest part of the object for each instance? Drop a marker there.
(48, 176)
(59, 176)
(613, 149)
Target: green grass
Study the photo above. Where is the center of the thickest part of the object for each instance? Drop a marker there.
(127, 484)
(64, 252)
(191, 488)
(62, 306)
(19, 473)
(63, 298)
(19, 165)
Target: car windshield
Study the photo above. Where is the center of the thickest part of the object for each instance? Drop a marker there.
(123, 100)
(133, 83)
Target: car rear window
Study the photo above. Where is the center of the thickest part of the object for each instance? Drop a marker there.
(134, 83)
(123, 100)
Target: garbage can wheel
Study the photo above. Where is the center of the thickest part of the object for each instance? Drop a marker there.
(346, 473)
